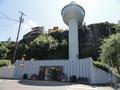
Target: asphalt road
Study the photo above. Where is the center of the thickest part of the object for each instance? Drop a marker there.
(6, 84)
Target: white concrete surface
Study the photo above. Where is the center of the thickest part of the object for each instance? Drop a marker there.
(81, 87)
(0, 81)
(73, 40)
(6, 72)
(45, 85)
(99, 76)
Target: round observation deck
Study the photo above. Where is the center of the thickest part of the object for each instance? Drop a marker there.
(73, 11)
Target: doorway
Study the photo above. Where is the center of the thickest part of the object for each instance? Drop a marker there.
(52, 72)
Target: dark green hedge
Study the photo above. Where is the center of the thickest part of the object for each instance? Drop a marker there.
(4, 63)
(101, 66)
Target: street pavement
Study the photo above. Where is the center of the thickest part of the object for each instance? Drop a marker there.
(6, 84)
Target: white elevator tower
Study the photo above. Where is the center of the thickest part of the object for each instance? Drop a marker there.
(73, 15)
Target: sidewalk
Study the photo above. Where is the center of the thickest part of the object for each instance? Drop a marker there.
(86, 87)
(7, 84)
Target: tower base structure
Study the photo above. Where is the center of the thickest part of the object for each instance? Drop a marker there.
(81, 69)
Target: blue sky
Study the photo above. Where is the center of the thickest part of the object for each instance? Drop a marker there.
(47, 13)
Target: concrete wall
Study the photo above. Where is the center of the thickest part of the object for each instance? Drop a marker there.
(99, 76)
(6, 72)
(80, 68)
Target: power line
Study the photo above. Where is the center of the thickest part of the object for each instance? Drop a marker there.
(7, 17)
(4, 15)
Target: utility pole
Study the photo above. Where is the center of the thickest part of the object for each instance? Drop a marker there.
(21, 20)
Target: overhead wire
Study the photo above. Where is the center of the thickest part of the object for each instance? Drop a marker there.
(6, 17)
(4, 14)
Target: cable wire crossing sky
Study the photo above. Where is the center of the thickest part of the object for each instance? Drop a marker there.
(47, 13)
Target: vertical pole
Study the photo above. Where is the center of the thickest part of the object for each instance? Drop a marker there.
(110, 74)
(16, 43)
(109, 29)
(73, 39)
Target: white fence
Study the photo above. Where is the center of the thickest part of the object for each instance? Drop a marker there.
(6, 72)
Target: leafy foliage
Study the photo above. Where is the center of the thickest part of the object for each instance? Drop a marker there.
(44, 46)
(110, 50)
(41, 46)
(4, 63)
(58, 35)
(100, 65)
(22, 50)
(11, 47)
(3, 50)
(62, 50)
(117, 27)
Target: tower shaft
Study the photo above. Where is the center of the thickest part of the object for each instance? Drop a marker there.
(73, 39)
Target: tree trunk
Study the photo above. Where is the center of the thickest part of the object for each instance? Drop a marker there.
(118, 69)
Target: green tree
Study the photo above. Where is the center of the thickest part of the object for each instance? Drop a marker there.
(11, 48)
(3, 50)
(41, 47)
(110, 50)
(62, 50)
(117, 26)
(58, 35)
(23, 49)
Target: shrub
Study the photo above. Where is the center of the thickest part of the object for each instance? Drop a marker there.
(73, 78)
(4, 63)
(25, 76)
(101, 66)
(83, 79)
